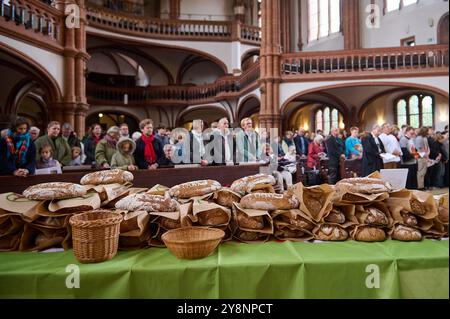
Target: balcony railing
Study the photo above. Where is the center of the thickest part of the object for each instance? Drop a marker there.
(399, 61)
(225, 86)
(194, 30)
(32, 20)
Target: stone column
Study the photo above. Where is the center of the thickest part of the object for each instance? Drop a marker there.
(285, 18)
(239, 11)
(270, 65)
(175, 9)
(351, 24)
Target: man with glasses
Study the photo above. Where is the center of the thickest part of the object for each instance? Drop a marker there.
(248, 143)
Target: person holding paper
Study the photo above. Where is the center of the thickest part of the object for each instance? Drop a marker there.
(391, 146)
(373, 147)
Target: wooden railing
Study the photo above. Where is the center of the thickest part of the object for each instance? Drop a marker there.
(401, 61)
(138, 96)
(193, 30)
(124, 6)
(32, 20)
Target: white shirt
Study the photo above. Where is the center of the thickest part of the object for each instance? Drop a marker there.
(228, 157)
(199, 138)
(390, 145)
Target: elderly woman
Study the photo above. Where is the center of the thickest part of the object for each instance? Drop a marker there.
(315, 152)
(107, 147)
(17, 150)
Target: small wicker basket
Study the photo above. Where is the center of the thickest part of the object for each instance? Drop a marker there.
(95, 235)
(193, 242)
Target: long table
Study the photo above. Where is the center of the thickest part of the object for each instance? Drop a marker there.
(142, 178)
(390, 269)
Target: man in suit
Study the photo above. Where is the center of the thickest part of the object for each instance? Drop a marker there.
(334, 154)
(373, 147)
(248, 142)
(221, 149)
(301, 143)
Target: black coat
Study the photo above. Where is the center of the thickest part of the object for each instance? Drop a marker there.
(8, 166)
(217, 142)
(139, 153)
(371, 160)
(89, 150)
(334, 151)
(298, 144)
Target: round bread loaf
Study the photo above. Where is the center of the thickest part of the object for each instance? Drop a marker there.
(256, 182)
(314, 201)
(417, 207)
(289, 233)
(335, 216)
(364, 185)
(55, 190)
(375, 217)
(244, 221)
(409, 219)
(194, 189)
(269, 201)
(112, 176)
(298, 221)
(168, 223)
(370, 234)
(213, 217)
(404, 233)
(249, 236)
(147, 202)
(226, 197)
(331, 233)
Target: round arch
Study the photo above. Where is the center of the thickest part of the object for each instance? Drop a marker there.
(219, 112)
(442, 29)
(249, 105)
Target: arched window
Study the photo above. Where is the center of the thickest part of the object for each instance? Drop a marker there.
(327, 117)
(393, 5)
(324, 18)
(416, 110)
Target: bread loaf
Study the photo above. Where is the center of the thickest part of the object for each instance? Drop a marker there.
(331, 233)
(364, 185)
(149, 203)
(112, 176)
(298, 222)
(289, 233)
(244, 221)
(250, 236)
(168, 223)
(256, 182)
(335, 216)
(409, 219)
(226, 197)
(417, 207)
(314, 201)
(194, 189)
(375, 217)
(264, 201)
(55, 190)
(213, 217)
(404, 233)
(443, 214)
(369, 234)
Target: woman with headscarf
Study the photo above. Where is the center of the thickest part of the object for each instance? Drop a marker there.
(17, 150)
(107, 147)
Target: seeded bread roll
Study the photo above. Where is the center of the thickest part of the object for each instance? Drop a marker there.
(269, 201)
(364, 185)
(112, 176)
(245, 221)
(55, 190)
(409, 219)
(404, 233)
(369, 234)
(331, 233)
(194, 189)
(147, 202)
(256, 182)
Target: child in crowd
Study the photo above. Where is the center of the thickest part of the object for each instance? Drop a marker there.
(76, 156)
(46, 158)
(123, 158)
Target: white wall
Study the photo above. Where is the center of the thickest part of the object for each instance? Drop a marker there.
(206, 9)
(202, 73)
(410, 21)
(52, 62)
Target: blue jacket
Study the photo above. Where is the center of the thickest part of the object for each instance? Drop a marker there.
(8, 165)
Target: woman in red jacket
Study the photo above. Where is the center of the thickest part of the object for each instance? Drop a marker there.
(316, 151)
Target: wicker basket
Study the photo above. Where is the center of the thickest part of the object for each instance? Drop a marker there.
(95, 235)
(193, 242)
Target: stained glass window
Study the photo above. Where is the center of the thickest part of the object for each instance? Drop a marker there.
(335, 118)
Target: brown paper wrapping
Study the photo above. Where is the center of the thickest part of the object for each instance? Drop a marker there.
(10, 242)
(109, 192)
(361, 213)
(158, 190)
(261, 235)
(298, 221)
(134, 230)
(428, 204)
(314, 201)
(19, 205)
(90, 201)
(205, 197)
(226, 197)
(443, 207)
(338, 232)
(37, 238)
(201, 208)
(347, 209)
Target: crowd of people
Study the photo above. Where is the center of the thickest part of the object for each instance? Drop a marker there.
(422, 151)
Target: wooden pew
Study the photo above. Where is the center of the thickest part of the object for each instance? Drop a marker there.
(350, 168)
(165, 176)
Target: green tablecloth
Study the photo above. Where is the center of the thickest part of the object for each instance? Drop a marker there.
(271, 270)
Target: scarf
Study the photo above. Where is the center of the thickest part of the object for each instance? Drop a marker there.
(111, 141)
(97, 138)
(17, 146)
(149, 151)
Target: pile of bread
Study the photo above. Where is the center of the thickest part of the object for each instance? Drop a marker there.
(361, 209)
